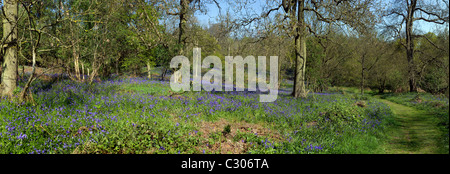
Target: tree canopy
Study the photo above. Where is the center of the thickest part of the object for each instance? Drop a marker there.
(363, 43)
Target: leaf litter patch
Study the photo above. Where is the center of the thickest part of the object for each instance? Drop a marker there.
(225, 138)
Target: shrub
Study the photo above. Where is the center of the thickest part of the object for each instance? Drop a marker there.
(341, 114)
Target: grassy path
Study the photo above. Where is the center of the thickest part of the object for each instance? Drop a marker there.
(413, 133)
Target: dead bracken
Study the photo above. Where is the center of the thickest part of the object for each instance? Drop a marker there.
(227, 144)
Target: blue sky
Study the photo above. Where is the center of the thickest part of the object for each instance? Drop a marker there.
(213, 13)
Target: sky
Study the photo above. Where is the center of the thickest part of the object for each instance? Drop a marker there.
(213, 13)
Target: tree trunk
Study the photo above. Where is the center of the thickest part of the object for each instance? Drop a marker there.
(76, 61)
(93, 74)
(9, 66)
(182, 25)
(362, 81)
(23, 71)
(1, 65)
(95, 67)
(184, 4)
(73, 44)
(149, 68)
(117, 64)
(362, 73)
(17, 67)
(300, 52)
(382, 87)
(135, 70)
(280, 74)
(82, 71)
(33, 71)
(410, 46)
(163, 74)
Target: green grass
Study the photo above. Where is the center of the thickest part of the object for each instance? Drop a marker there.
(419, 125)
(415, 132)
